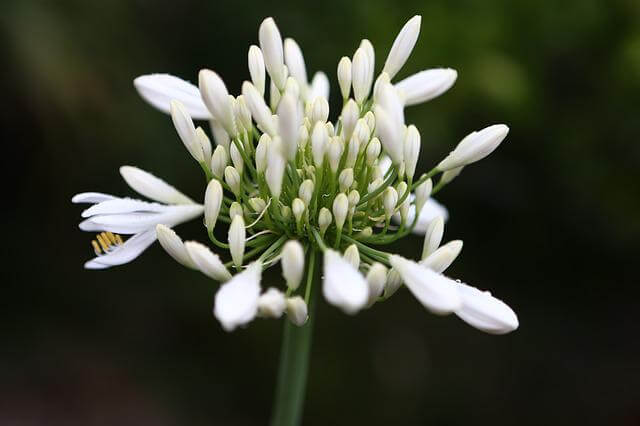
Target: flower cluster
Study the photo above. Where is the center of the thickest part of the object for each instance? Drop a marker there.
(290, 184)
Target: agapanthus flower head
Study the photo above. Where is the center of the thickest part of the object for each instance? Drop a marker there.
(291, 186)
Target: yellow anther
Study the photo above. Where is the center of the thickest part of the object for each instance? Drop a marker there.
(111, 237)
(104, 244)
(119, 239)
(96, 247)
(106, 241)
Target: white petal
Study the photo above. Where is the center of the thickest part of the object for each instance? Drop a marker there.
(236, 302)
(295, 61)
(160, 89)
(125, 253)
(272, 303)
(123, 205)
(173, 244)
(91, 197)
(484, 312)
(319, 86)
(343, 285)
(443, 257)
(297, 310)
(436, 292)
(207, 262)
(426, 85)
(430, 211)
(133, 223)
(152, 187)
(402, 46)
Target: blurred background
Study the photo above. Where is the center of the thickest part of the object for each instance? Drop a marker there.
(551, 221)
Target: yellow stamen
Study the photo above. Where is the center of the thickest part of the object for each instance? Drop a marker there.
(119, 239)
(105, 242)
(111, 237)
(96, 247)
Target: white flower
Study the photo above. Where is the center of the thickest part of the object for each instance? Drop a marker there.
(435, 291)
(292, 262)
(443, 257)
(256, 68)
(259, 109)
(272, 50)
(484, 312)
(389, 133)
(295, 62)
(474, 147)
(115, 215)
(297, 310)
(425, 85)
(272, 303)
(402, 46)
(236, 302)
(160, 89)
(216, 98)
(207, 262)
(343, 285)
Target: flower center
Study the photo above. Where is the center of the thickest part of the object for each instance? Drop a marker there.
(105, 242)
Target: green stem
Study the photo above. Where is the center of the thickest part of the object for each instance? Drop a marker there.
(294, 362)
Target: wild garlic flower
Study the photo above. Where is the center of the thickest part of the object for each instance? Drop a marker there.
(291, 184)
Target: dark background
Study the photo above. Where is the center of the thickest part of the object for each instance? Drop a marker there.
(551, 221)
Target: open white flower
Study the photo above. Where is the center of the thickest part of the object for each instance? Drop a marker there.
(113, 215)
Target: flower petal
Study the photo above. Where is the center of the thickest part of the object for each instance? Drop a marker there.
(426, 85)
(485, 312)
(91, 197)
(343, 285)
(125, 253)
(133, 223)
(160, 89)
(152, 187)
(236, 302)
(123, 205)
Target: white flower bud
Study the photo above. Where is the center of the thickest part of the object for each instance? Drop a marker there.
(256, 68)
(235, 210)
(443, 257)
(212, 202)
(297, 207)
(411, 150)
(375, 184)
(160, 89)
(378, 171)
(425, 85)
(237, 239)
(373, 151)
(285, 211)
(474, 147)
(319, 86)
(390, 135)
(485, 312)
(216, 98)
(361, 132)
(271, 45)
(366, 232)
(450, 175)
(371, 61)
(292, 88)
(274, 96)
(353, 148)
(220, 135)
(340, 209)
(219, 161)
(330, 130)
(292, 262)
(376, 279)
(289, 126)
(303, 137)
(360, 75)
(232, 178)
(354, 199)
(275, 169)
(236, 158)
(295, 62)
(370, 119)
(186, 130)
(173, 245)
(433, 236)
(389, 200)
(344, 76)
(259, 109)
(319, 110)
(423, 191)
(334, 152)
(352, 255)
(207, 262)
(394, 281)
(297, 310)
(257, 204)
(319, 143)
(271, 304)
(306, 191)
(204, 143)
(402, 46)
(262, 153)
(349, 117)
(345, 179)
(324, 219)
(387, 97)
(243, 114)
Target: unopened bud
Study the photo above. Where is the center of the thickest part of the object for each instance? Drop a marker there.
(262, 153)
(354, 198)
(344, 76)
(204, 143)
(411, 150)
(235, 210)
(370, 119)
(376, 279)
(450, 175)
(297, 310)
(306, 191)
(334, 153)
(349, 117)
(433, 236)
(292, 262)
(237, 238)
(236, 158)
(352, 256)
(319, 110)
(474, 147)
(271, 304)
(297, 207)
(373, 151)
(389, 200)
(324, 220)
(257, 204)
(219, 161)
(212, 202)
(345, 179)
(256, 68)
(423, 191)
(216, 98)
(273, 51)
(394, 281)
(352, 152)
(232, 178)
(319, 143)
(207, 262)
(340, 209)
(443, 257)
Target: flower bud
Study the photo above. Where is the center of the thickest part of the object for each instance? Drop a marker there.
(474, 147)
(219, 134)
(262, 153)
(271, 45)
(297, 207)
(423, 191)
(324, 220)
(443, 257)
(271, 304)
(306, 191)
(375, 184)
(334, 152)
(243, 114)
(289, 126)
(349, 117)
(285, 211)
(344, 76)
(319, 143)
(450, 175)
(303, 137)
(433, 236)
(330, 130)
(219, 161)
(274, 97)
(354, 199)
(292, 261)
(237, 239)
(390, 134)
(340, 209)
(360, 75)
(352, 152)
(207, 262)
(216, 98)
(297, 310)
(256, 68)
(173, 245)
(371, 61)
(373, 151)
(235, 210)
(389, 200)
(275, 169)
(361, 132)
(232, 178)
(411, 150)
(257, 204)
(345, 179)
(425, 85)
(236, 158)
(186, 130)
(394, 281)
(212, 202)
(319, 110)
(366, 232)
(402, 46)
(376, 279)
(295, 61)
(203, 142)
(259, 109)
(370, 119)
(352, 256)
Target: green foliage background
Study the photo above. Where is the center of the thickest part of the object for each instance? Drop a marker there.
(550, 221)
